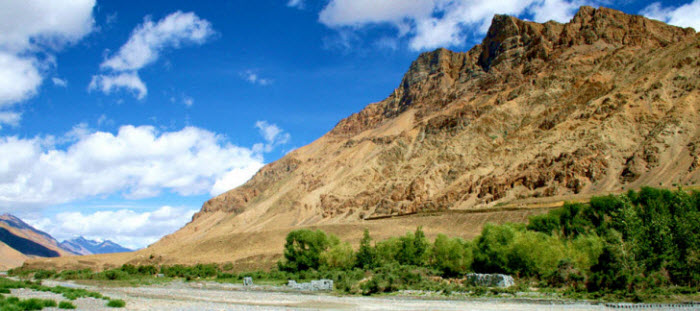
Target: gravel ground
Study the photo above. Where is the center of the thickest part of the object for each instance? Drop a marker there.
(214, 296)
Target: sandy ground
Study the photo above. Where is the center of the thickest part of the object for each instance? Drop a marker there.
(211, 296)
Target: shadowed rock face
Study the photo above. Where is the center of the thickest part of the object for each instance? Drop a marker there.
(604, 103)
(25, 246)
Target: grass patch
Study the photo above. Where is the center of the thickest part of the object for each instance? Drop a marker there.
(66, 305)
(66, 292)
(116, 303)
(14, 303)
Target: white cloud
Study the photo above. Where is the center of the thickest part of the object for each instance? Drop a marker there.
(361, 12)
(144, 47)
(36, 27)
(557, 10)
(252, 77)
(233, 179)
(19, 79)
(149, 39)
(9, 118)
(59, 82)
(299, 4)
(687, 15)
(428, 24)
(273, 135)
(125, 80)
(136, 162)
(125, 226)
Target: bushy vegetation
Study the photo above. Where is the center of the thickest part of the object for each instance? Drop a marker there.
(628, 245)
(636, 246)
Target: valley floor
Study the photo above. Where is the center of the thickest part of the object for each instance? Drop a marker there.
(214, 296)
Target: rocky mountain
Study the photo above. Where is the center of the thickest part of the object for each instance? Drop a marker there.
(20, 241)
(83, 246)
(534, 115)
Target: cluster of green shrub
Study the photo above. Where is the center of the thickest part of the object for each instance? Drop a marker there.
(641, 242)
(14, 303)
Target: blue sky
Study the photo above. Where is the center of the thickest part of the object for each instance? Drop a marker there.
(120, 118)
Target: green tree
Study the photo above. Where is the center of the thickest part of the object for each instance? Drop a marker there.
(366, 256)
(413, 249)
(339, 255)
(453, 257)
(303, 249)
(492, 248)
(546, 223)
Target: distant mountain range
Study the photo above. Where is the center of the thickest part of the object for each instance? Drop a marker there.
(83, 246)
(19, 241)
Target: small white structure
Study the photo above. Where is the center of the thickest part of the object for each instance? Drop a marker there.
(247, 281)
(314, 285)
(490, 280)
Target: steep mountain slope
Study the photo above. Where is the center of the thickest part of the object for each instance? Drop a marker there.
(22, 230)
(21, 241)
(83, 246)
(535, 113)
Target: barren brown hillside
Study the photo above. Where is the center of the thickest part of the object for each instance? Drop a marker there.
(536, 113)
(43, 243)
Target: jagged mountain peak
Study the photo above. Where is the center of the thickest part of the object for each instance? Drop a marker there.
(512, 52)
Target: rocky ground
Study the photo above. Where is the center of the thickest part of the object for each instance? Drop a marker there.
(213, 296)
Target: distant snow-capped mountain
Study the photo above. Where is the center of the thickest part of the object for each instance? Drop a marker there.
(83, 246)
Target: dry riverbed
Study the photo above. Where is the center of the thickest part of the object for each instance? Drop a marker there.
(215, 296)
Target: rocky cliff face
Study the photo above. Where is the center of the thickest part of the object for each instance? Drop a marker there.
(606, 102)
(535, 110)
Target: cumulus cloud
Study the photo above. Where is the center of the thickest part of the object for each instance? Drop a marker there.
(28, 24)
(36, 27)
(145, 46)
(428, 24)
(129, 81)
(252, 77)
(687, 15)
(273, 135)
(136, 162)
(127, 227)
(19, 78)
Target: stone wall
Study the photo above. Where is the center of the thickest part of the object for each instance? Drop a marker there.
(490, 280)
(314, 285)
